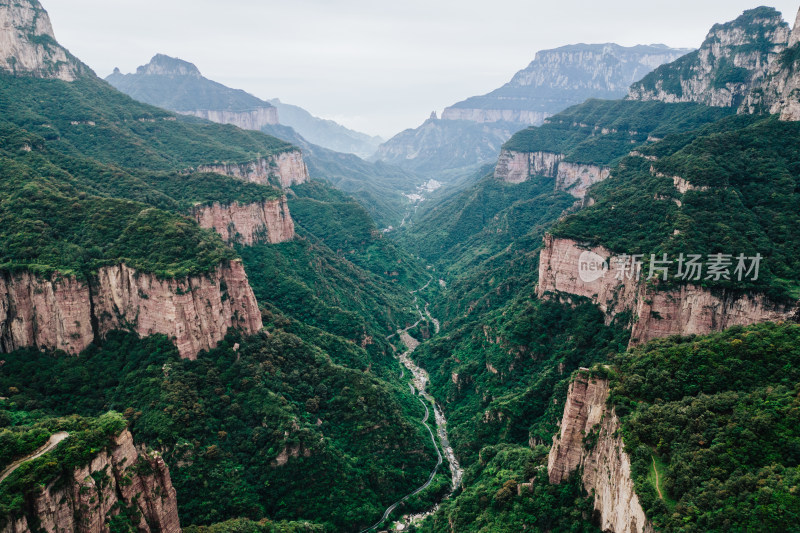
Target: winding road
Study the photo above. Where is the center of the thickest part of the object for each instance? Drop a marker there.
(418, 384)
(51, 443)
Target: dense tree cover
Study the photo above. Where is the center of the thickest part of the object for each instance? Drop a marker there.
(87, 437)
(243, 525)
(720, 417)
(600, 132)
(745, 172)
(246, 432)
(507, 491)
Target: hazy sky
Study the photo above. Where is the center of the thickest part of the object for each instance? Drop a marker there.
(374, 65)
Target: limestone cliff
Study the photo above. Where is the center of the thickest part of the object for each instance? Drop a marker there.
(606, 466)
(247, 224)
(82, 503)
(254, 119)
(28, 45)
(284, 169)
(63, 313)
(779, 94)
(574, 178)
(732, 60)
(561, 77)
(656, 313)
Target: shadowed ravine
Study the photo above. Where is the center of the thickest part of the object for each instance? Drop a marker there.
(418, 384)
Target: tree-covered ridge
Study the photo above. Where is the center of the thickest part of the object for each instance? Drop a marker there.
(90, 118)
(743, 174)
(247, 428)
(718, 416)
(601, 132)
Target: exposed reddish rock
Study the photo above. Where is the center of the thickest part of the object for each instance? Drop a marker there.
(684, 311)
(247, 224)
(606, 467)
(574, 178)
(286, 168)
(80, 504)
(63, 313)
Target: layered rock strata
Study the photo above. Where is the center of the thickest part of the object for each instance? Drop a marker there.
(248, 224)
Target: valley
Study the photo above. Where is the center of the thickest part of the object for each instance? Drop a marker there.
(569, 304)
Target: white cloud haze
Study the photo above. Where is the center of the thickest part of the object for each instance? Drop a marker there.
(373, 65)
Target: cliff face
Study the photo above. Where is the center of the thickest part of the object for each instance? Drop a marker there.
(684, 311)
(63, 313)
(558, 78)
(28, 45)
(733, 59)
(247, 120)
(574, 178)
(287, 169)
(250, 223)
(83, 502)
(606, 466)
(779, 94)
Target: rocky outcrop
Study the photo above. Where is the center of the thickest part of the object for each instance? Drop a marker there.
(733, 59)
(28, 45)
(267, 221)
(561, 77)
(574, 178)
(60, 312)
(519, 116)
(86, 500)
(779, 94)
(590, 439)
(284, 169)
(656, 313)
(247, 120)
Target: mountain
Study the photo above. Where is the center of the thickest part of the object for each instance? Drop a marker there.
(177, 85)
(326, 133)
(191, 276)
(471, 132)
(732, 60)
(562, 77)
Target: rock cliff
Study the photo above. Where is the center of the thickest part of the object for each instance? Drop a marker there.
(574, 178)
(284, 169)
(120, 476)
(247, 120)
(28, 45)
(561, 77)
(656, 313)
(63, 313)
(779, 94)
(733, 59)
(247, 224)
(590, 439)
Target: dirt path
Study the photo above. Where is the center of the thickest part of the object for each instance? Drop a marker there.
(658, 488)
(55, 438)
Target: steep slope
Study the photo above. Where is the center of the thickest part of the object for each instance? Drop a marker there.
(562, 77)
(95, 480)
(178, 85)
(733, 59)
(471, 132)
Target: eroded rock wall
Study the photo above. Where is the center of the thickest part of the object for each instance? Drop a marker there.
(247, 224)
(286, 168)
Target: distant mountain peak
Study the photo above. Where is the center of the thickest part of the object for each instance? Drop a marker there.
(164, 65)
(28, 45)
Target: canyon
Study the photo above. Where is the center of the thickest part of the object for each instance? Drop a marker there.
(686, 310)
(64, 313)
(589, 441)
(247, 120)
(121, 475)
(575, 178)
(247, 224)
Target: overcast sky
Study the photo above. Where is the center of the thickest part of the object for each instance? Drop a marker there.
(374, 65)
